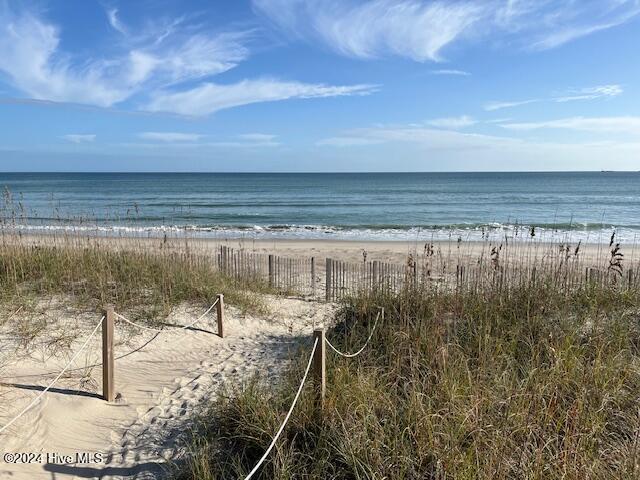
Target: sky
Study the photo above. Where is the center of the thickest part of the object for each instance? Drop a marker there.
(319, 85)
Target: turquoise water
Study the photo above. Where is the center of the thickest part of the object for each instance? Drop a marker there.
(382, 206)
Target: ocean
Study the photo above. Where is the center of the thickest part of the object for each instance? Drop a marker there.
(584, 206)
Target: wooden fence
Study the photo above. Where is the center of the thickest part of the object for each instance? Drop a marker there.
(333, 279)
(296, 275)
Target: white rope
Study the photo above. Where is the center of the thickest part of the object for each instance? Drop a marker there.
(37, 399)
(286, 419)
(351, 355)
(122, 317)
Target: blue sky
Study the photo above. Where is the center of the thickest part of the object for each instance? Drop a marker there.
(324, 85)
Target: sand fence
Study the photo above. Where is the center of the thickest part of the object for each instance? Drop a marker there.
(334, 279)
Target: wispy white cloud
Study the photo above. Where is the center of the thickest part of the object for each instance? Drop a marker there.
(257, 137)
(32, 59)
(588, 93)
(492, 106)
(170, 136)
(610, 14)
(445, 71)
(165, 66)
(185, 141)
(114, 21)
(420, 30)
(453, 123)
(547, 24)
(629, 124)
(79, 138)
(212, 97)
(408, 28)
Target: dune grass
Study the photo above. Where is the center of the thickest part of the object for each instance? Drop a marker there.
(147, 282)
(504, 383)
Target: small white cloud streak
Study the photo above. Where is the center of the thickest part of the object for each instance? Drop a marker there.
(79, 138)
(257, 137)
(591, 93)
(444, 71)
(629, 125)
(453, 123)
(588, 93)
(114, 21)
(493, 106)
(211, 97)
(170, 136)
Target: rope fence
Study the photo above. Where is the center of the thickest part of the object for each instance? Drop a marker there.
(316, 360)
(160, 330)
(352, 355)
(286, 418)
(106, 322)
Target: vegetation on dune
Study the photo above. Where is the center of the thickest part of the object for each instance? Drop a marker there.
(515, 382)
(147, 282)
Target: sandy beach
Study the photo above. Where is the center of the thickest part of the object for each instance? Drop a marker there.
(351, 250)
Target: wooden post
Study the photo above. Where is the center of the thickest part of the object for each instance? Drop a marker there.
(328, 281)
(271, 270)
(376, 267)
(319, 369)
(225, 259)
(313, 276)
(220, 315)
(108, 388)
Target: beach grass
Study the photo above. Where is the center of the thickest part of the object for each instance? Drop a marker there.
(147, 282)
(520, 381)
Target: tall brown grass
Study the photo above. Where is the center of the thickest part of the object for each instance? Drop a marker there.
(521, 380)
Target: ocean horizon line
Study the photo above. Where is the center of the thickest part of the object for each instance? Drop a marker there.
(268, 172)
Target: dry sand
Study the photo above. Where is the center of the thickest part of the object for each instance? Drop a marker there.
(350, 250)
(160, 378)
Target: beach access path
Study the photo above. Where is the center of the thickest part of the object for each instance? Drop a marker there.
(161, 380)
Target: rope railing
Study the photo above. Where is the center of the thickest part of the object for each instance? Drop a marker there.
(316, 358)
(107, 350)
(320, 367)
(351, 355)
(37, 399)
(160, 330)
(286, 418)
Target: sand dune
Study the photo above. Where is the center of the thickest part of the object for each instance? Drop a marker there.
(161, 379)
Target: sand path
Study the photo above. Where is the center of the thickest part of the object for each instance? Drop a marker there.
(161, 380)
